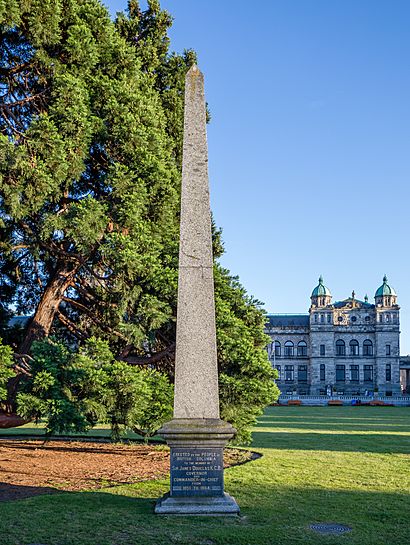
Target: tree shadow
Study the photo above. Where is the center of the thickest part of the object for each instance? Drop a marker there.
(336, 424)
(270, 513)
(13, 492)
(20, 443)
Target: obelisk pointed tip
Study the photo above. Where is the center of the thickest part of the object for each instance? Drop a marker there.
(194, 68)
(194, 72)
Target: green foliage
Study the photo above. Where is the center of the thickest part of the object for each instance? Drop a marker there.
(72, 390)
(6, 368)
(146, 420)
(90, 160)
(65, 388)
(137, 399)
(246, 379)
(126, 392)
(88, 180)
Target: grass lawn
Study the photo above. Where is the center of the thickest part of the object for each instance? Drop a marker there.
(349, 465)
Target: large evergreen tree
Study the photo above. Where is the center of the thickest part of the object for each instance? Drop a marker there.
(91, 119)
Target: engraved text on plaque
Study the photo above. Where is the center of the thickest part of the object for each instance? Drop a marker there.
(197, 472)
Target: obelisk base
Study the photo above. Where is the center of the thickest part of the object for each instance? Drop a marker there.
(197, 483)
(220, 505)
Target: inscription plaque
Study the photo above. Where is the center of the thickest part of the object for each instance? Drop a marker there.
(197, 472)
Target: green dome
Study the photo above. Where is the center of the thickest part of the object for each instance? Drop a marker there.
(321, 289)
(385, 289)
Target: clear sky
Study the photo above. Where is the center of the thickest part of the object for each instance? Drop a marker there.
(309, 143)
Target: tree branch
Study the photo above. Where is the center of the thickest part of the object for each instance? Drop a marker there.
(155, 358)
(93, 317)
(8, 105)
(71, 326)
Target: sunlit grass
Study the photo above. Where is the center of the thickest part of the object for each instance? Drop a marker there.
(349, 465)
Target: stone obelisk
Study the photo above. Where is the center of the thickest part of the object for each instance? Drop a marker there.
(196, 434)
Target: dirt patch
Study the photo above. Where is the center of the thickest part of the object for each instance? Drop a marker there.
(32, 467)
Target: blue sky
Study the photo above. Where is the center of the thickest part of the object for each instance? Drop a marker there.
(309, 142)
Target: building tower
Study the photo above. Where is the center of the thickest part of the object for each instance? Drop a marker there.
(321, 341)
(385, 296)
(387, 333)
(321, 296)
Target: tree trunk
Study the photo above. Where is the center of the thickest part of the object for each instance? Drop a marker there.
(11, 420)
(42, 320)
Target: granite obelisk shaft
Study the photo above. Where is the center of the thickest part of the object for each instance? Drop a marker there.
(196, 434)
(196, 371)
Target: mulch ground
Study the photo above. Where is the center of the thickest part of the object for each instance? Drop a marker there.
(32, 467)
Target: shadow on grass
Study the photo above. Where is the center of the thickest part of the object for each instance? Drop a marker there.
(344, 442)
(8, 432)
(270, 514)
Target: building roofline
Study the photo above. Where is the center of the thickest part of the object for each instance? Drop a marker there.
(287, 314)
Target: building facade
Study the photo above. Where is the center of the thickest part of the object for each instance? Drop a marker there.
(348, 347)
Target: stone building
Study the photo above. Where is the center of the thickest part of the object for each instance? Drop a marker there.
(349, 347)
(405, 374)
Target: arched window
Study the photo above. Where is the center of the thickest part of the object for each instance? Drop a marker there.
(277, 349)
(302, 349)
(354, 347)
(340, 348)
(289, 349)
(367, 348)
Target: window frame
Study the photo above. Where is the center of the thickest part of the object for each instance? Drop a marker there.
(354, 347)
(368, 348)
(340, 368)
(366, 370)
(288, 349)
(354, 368)
(322, 372)
(291, 370)
(340, 348)
(304, 370)
(303, 352)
